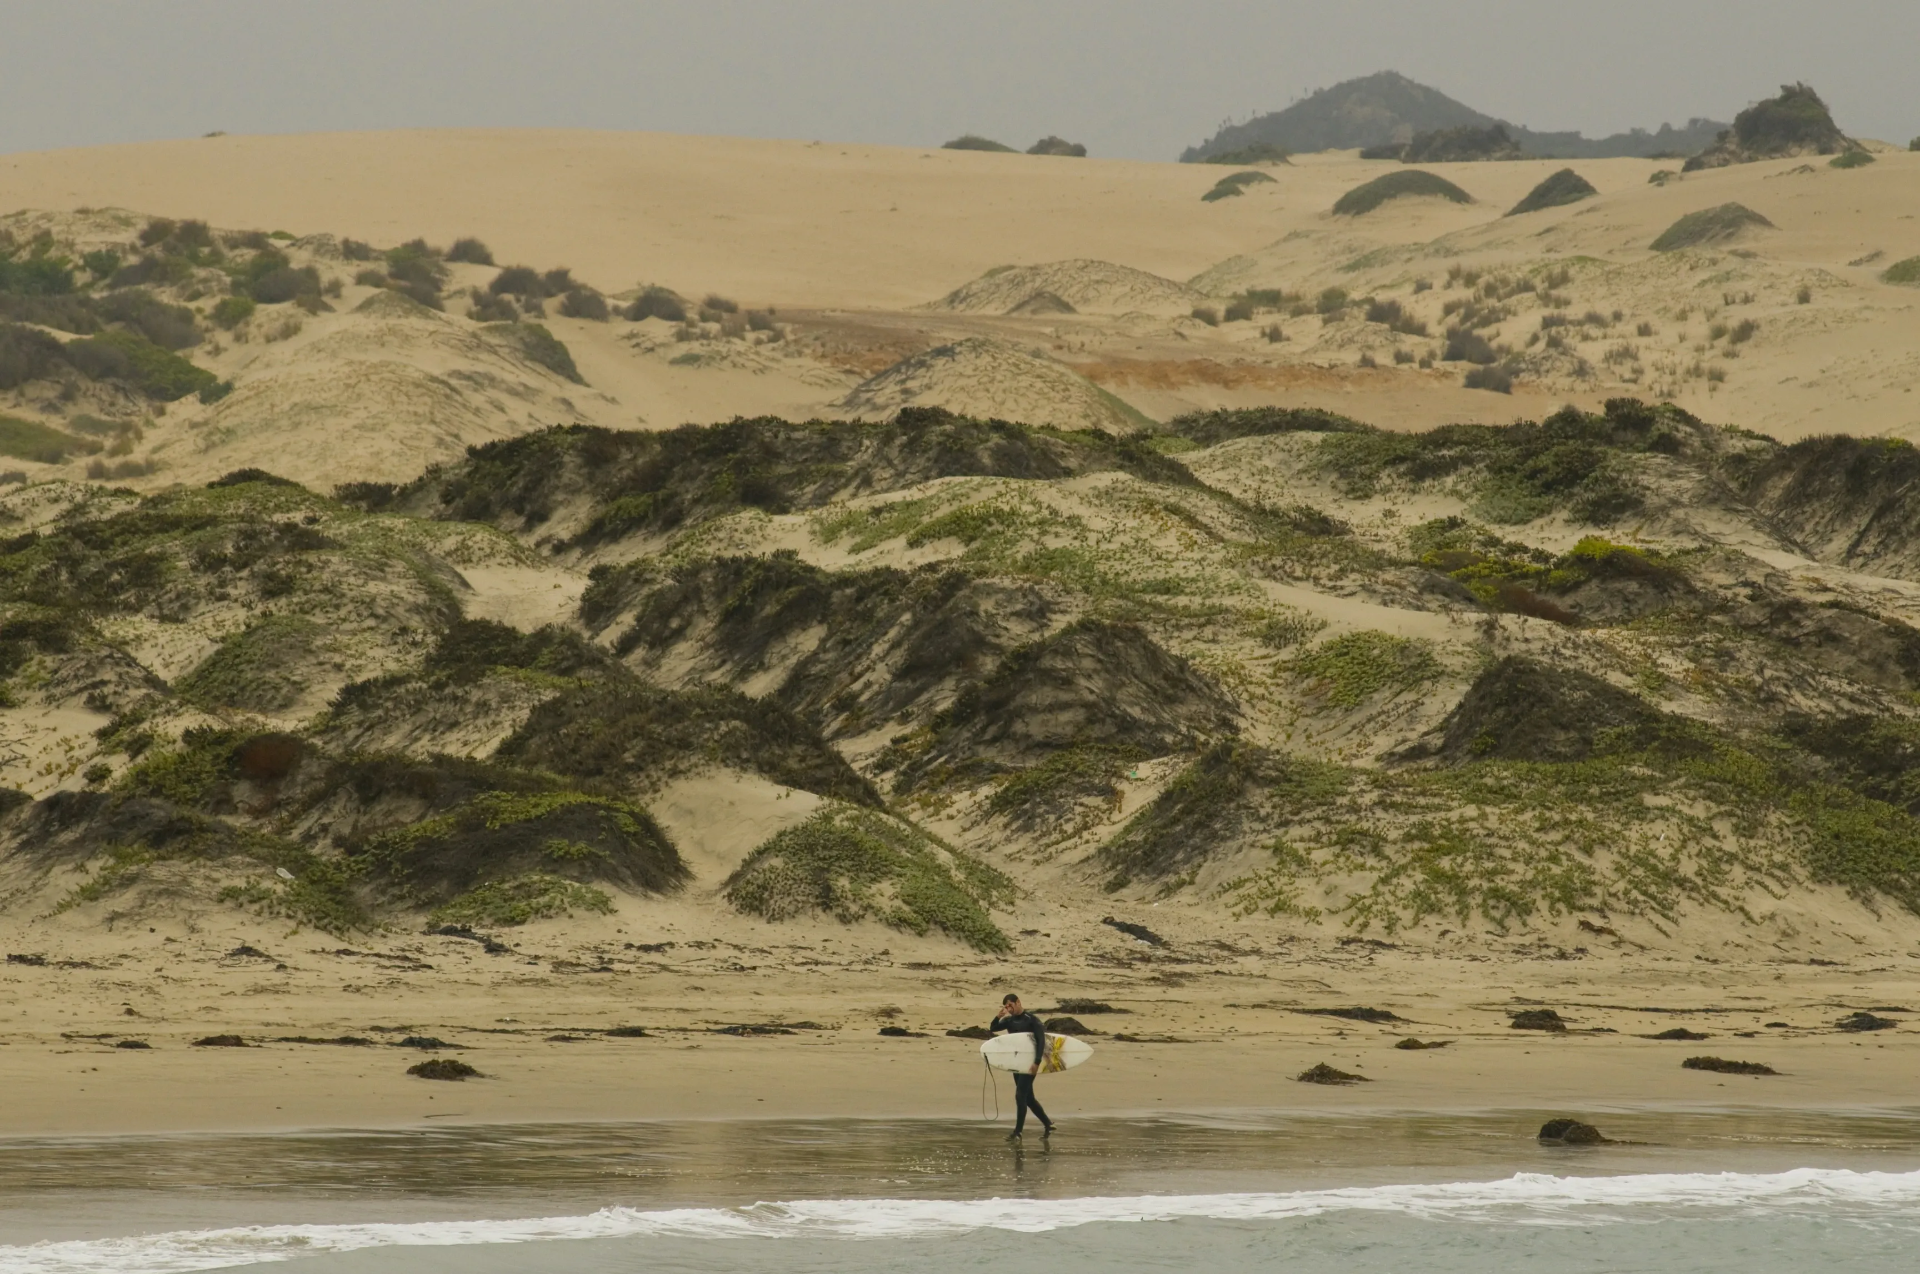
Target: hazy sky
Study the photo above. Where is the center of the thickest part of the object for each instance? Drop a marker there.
(1135, 78)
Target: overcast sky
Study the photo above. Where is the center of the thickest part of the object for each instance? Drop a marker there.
(1134, 78)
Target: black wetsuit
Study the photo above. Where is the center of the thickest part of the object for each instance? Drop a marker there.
(1022, 1082)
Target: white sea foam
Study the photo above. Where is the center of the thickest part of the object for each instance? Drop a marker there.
(1526, 1198)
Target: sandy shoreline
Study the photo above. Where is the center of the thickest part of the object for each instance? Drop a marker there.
(1243, 1037)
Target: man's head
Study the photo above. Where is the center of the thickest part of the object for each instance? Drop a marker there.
(1010, 1003)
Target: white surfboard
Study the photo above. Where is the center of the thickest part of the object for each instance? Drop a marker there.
(1014, 1052)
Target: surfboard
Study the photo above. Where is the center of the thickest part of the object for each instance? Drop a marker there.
(1014, 1052)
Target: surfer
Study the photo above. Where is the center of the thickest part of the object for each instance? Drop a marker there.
(1015, 1018)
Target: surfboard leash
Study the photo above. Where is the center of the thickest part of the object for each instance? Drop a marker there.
(986, 1079)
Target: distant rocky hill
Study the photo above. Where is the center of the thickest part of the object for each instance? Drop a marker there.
(1795, 123)
(1387, 108)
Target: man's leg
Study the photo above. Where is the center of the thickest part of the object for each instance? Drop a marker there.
(1034, 1105)
(1022, 1098)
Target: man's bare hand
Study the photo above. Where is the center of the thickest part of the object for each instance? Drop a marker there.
(1034, 1069)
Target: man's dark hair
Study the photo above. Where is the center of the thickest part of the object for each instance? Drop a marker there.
(1009, 997)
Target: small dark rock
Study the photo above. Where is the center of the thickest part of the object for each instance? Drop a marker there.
(1864, 1021)
(1721, 1066)
(221, 1041)
(442, 1068)
(1132, 930)
(748, 1028)
(1068, 1026)
(353, 1041)
(972, 1033)
(133, 1044)
(566, 1039)
(1778, 1025)
(1570, 1132)
(901, 1032)
(1087, 1006)
(244, 951)
(1355, 1014)
(423, 1041)
(1538, 1020)
(628, 1033)
(490, 945)
(37, 961)
(1321, 1073)
(1410, 1043)
(1678, 1033)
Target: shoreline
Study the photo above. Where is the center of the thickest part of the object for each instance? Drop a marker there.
(175, 1089)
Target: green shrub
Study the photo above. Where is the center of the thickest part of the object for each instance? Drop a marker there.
(36, 276)
(231, 311)
(533, 896)
(1850, 159)
(1350, 669)
(1564, 187)
(973, 141)
(1258, 153)
(101, 262)
(1411, 183)
(585, 303)
(30, 440)
(539, 346)
(517, 280)
(1058, 146)
(1907, 272)
(159, 374)
(856, 864)
(1234, 184)
(168, 326)
(656, 302)
(1710, 225)
(470, 252)
(1497, 379)
(28, 354)
(285, 284)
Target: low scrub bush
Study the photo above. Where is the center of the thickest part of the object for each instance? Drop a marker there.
(1564, 187)
(31, 440)
(973, 141)
(1234, 184)
(231, 311)
(539, 346)
(1905, 272)
(656, 302)
(126, 356)
(168, 326)
(27, 354)
(1850, 159)
(1058, 146)
(1497, 379)
(517, 280)
(856, 864)
(585, 303)
(1207, 314)
(1465, 346)
(1411, 183)
(470, 252)
(1709, 226)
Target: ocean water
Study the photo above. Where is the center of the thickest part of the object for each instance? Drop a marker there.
(1735, 1190)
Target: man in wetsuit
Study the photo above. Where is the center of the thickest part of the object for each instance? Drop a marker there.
(1015, 1018)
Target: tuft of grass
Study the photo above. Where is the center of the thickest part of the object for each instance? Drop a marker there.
(1562, 188)
(1412, 183)
(519, 899)
(43, 444)
(856, 864)
(1905, 272)
(1709, 226)
(1234, 184)
(539, 346)
(1352, 668)
(470, 252)
(1850, 159)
